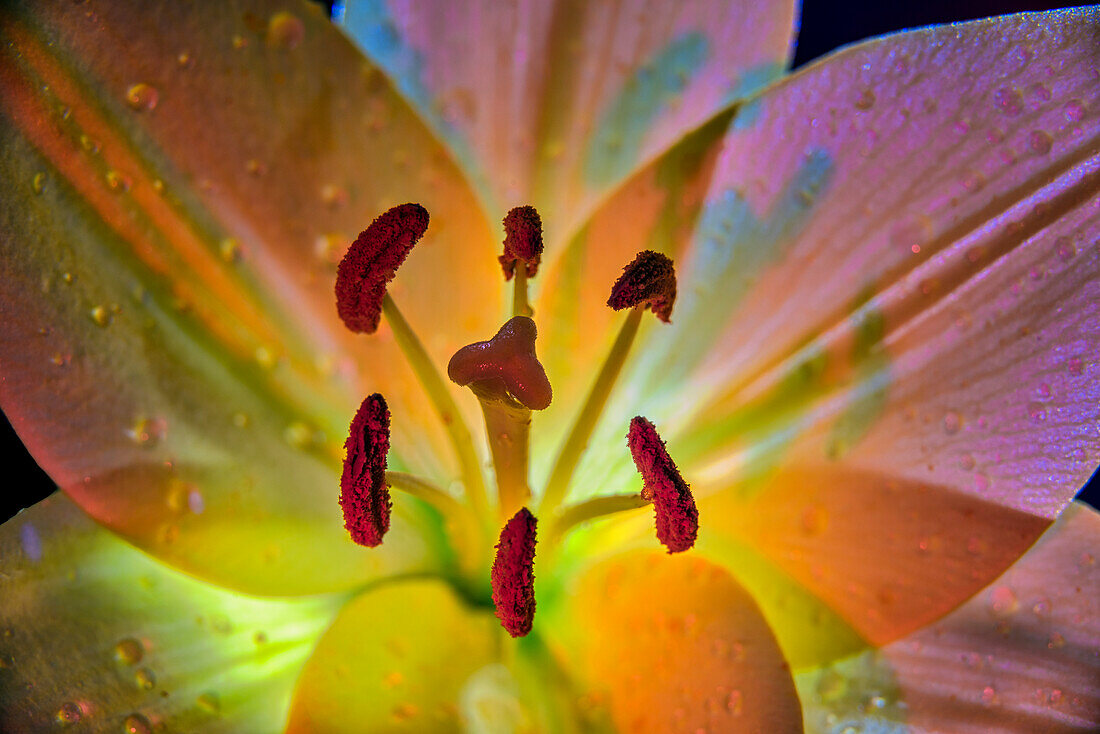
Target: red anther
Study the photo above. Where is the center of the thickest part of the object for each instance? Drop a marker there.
(522, 241)
(372, 261)
(649, 279)
(364, 495)
(677, 517)
(507, 362)
(513, 574)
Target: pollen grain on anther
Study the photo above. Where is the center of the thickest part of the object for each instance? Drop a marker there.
(372, 261)
(513, 575)
(522, 241)
(364, 495)
(677, 516)
(649, 279)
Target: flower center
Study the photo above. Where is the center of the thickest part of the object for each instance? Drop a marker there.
(509, 382)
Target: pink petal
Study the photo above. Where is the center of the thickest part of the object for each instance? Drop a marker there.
(1021, 656)
(920, 400)
(168, 266)
(555, 103)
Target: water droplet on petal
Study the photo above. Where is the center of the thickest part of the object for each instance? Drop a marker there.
(1040, 142)
(185, 60)
(69, 713)
(1056, 640)
(229, 249)
(735, 703)
(209, 702)
(129, 651)
(1008, 100)
(38, 183)
(101, 315)
(989, 696)
(1003, 601)
(145, 679)
(966, 461)
(1036, 412)
(285, 31)
(142, 96)
(1074, 110)
(88, 144)
(136, 724)
(866, 100)
(1065, 248)
(118, 181)
(952, 422)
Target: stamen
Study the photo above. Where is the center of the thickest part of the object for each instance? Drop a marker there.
(649, 273)
(361, 298)
(364, 495)
(677, 516)
(649, 279)
(372, 261)
(513, 574)
(522, 241)
(522, 246)
(509, 382)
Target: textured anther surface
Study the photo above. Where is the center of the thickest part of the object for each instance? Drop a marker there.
(364, 496)
(513, 575)
(372, 261)
(522, 241)
(677, 516)
(650, 279)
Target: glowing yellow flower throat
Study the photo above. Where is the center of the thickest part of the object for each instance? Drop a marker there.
(506, 377)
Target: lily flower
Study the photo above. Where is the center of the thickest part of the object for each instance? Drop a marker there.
(875, 395)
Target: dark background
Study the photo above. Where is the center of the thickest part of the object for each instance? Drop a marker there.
(825, 26)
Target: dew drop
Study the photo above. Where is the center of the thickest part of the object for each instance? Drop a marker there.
(148, 432)
(1008, 100)
(1043, 391)
(1065, 249)
(1003, 601)
(88, 144)
(966, 462)
(973, 181)
(255, 167)
(1075, 366)
(69, 713)
(145, 679)
(1039, 94)
(259, 638)
(298, 435)
(136, 724)
(1074, 110)
(1040, 142)
(118, 181)
(129, 651)
(229, 249)
(285, 31)
(815, 519)
(265, 357)
(1041, 607)
(209, 702)
(735, 703)
(866, 100)
(101, 315)
(1056, 641)
(1036, 412)
(239, 42)
(405, 711)
(952, 422)
(334, 196)
(989, 696)
(38, 183)
(240, 420)
(142, 96)
(185, 60)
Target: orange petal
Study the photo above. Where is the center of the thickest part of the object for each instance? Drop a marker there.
(669, 643)
(555, 103)
(182, 185)
(98, 636)
(1018, 657)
